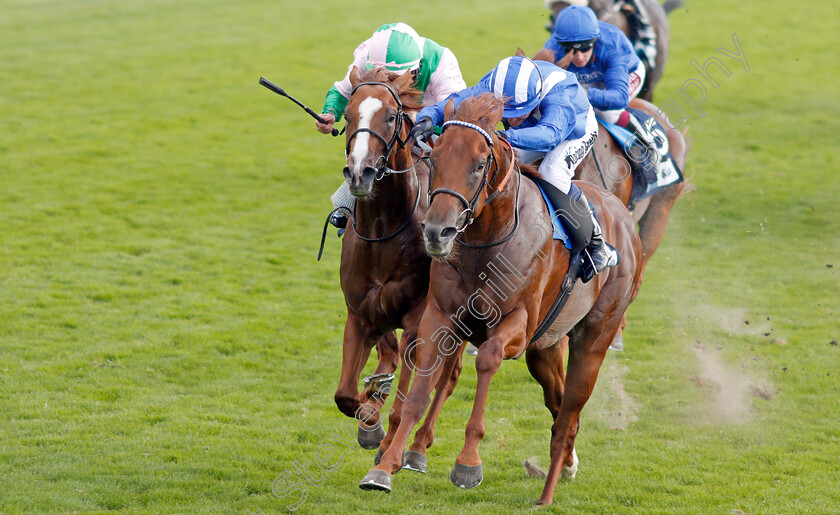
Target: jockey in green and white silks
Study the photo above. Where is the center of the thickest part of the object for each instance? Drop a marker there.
(399, 48)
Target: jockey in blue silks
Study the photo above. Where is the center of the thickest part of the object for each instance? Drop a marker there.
(547, 115)
(605, 63)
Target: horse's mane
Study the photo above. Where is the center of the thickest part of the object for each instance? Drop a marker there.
(409, 95)
(473, 109)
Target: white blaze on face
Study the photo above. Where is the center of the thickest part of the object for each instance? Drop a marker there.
(367, 109)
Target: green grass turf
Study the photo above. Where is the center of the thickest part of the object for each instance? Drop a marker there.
(168, 343)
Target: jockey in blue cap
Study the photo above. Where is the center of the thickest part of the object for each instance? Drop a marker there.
(605, 63)
(548, 116)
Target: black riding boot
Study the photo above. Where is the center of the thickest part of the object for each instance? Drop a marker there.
(603, 254)
(583, 229)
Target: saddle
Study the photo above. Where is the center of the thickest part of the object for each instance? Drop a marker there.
(647, 178)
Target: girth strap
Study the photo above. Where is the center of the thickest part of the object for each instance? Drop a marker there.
(562, 297)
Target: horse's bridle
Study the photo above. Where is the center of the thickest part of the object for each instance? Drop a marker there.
(383, 170)
(470, 204)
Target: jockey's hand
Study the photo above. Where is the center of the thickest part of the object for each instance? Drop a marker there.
(565, 60)
(422, 130)
(326, 128)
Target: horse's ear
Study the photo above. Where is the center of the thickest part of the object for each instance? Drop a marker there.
(520, 52)
(564, 61)
(355, 77)
(496, 116)
(544, 54)
(449, 110)
(403, 81)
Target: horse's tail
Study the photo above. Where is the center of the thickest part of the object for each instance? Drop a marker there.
(670, 5)
(688, 187)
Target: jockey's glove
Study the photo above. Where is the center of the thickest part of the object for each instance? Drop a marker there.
(422, 130)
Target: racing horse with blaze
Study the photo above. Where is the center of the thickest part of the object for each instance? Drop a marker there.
(489, 212)
(384, 268)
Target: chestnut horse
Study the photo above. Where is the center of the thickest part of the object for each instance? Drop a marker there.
(607, 166)
(384, 269)
(609, 11)
(500, 283)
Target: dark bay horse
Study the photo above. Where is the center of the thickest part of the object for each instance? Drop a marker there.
(496, 284)
(384, 268)
(615, 13)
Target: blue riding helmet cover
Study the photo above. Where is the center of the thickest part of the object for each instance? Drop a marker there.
(518, 80)
(576, 24)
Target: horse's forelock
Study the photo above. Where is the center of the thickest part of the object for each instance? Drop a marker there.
(473, 109)
(409, 96)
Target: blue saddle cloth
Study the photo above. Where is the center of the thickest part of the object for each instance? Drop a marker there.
(559, 232)
(647, 179)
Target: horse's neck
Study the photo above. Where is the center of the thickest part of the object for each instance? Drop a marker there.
(393, 197)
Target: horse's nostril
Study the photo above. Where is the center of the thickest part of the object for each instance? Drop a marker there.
(368, 173)
(422, 227)
(347, 174)
(448, 232)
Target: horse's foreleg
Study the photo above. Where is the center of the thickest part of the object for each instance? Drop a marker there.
(406, 355)
(415, 458)
(427, 366)
(507, 341)
(388, 352)
(394, 414)
(358, 341)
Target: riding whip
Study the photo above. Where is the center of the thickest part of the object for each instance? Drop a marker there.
(277, 89)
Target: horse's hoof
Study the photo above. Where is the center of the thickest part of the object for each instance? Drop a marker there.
(370, 439)
(617, 343)
(569, 472)
(376, 479)
(413, 460)
(466, 476)
(378, 457)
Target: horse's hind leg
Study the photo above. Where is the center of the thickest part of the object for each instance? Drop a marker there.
(654, 221)
(415, 458)
(547, 367)
(587, 353)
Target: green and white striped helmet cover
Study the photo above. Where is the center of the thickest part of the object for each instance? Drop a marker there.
(396, 46)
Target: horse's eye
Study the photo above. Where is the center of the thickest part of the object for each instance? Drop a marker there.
(480, 167)
(392, 118)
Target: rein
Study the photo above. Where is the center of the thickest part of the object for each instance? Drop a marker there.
(401, 229)
(470, 204)
(383, 170)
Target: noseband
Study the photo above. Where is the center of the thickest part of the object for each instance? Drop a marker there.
(470, 204)
(383, 170)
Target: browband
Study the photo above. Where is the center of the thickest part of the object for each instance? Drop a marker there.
(471, 126)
